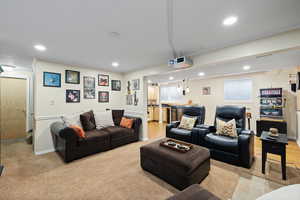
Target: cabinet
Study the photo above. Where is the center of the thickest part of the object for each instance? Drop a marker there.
(156, 113)
(150, 113)
(265, 125)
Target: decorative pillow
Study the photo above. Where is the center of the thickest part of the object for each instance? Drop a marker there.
(72, 120)
(103, 119)
(78, 130)
(226, 128)
(126, 123)
(117, 116)
(88, 121)
(187, 122)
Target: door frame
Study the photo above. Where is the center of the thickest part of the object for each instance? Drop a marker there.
(29, 98)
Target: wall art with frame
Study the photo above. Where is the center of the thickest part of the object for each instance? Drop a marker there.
(103, 96)
(72, 77)
(72, 96)
(115, 85)
(52, 79)
(103, 80)
(89, 91)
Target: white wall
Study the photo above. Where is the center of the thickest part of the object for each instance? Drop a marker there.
(140, 110)
(50, 103)
(275, 78)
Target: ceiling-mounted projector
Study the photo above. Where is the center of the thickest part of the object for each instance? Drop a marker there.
(180, 62)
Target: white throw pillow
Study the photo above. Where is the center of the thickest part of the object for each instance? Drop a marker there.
(187, 122)
(103, 119)
(226, 128)
(72, 120)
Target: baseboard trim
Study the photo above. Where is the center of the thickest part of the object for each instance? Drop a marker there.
(144, 139)
(292, 138)
(44, 152)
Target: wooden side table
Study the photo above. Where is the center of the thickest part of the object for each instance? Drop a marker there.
(275, 146)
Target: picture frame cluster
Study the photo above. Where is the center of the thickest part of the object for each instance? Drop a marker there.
(53, 79)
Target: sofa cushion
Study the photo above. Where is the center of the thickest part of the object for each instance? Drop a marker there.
(78, 130)
(117, 116)
(126, 123)
(187, 122)
(96, 134)
(118, 132)
(226, 128)
(87, 120)
(103, 119)
(222, 143)
(179, 131)
(72, 120)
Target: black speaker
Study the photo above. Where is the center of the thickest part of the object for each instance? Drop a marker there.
(294, 87)
(298, 80)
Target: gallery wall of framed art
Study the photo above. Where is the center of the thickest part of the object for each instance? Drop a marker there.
(80, 87)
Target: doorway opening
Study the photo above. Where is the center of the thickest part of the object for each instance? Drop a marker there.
(13, 117)
(158, 114)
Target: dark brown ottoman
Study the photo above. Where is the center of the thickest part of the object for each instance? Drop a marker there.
(194, 192)
(178, 169)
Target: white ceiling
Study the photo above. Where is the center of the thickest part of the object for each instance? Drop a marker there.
(283, 60)
(76, 32)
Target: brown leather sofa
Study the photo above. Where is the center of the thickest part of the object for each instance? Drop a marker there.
(70, 147)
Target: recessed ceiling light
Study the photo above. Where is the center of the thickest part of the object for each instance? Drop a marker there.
(40, 47)
(201, 74)
(230, 21)
(246, 67)
(115, 64)
(171, 78)
(114, 34)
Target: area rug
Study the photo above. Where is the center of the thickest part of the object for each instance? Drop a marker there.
(272, 172)
(111, 175)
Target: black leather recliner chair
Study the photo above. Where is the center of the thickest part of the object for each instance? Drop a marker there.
(238, 151)
(186, 135)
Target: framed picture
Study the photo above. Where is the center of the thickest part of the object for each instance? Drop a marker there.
(103, 80)
(103, 96)
(136, 84)
(72, 77)
(89, 84)
(129, 99)
(52, 79)
(72, 96)
(206, 90)
(116, 85)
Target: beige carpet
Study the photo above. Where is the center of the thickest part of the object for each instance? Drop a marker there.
(113, 175)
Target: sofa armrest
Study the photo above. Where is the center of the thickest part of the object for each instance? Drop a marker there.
(61, 130)
(65, 140)
(198, 135)
(173, 124)
(246, 147)
(212, 129)
(247, 132)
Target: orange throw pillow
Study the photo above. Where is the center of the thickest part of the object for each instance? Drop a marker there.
(78, 130)
(126, 123)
